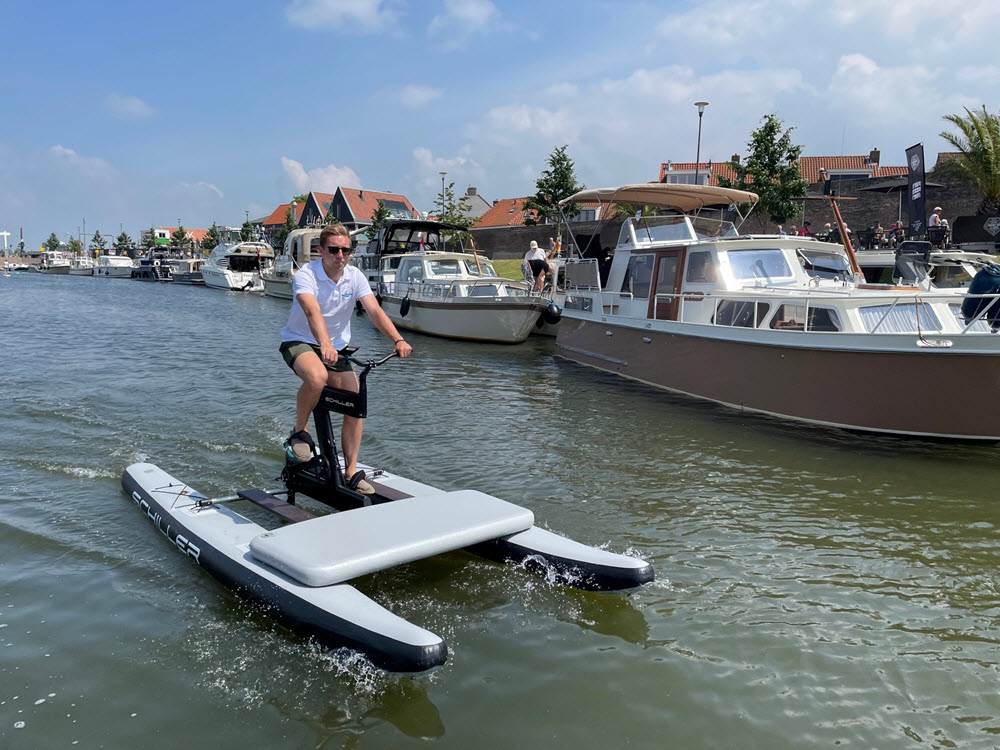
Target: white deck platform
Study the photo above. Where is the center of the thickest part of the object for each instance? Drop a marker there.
(342, 546)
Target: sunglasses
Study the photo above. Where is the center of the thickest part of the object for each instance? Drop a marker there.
(345, 251)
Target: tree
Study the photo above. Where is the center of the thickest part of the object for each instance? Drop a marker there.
(771, 171)
(556, 182)
(149, 241)
(74, 246)
(379, 215)
(123, 244)
(287, 228)
(246, 231)
(451, 211)
(179, 238)
(978, 144)
(98, 241)
(300, 198)
(214, 238)
(52, 243)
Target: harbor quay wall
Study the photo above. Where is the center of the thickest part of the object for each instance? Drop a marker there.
(501, 243)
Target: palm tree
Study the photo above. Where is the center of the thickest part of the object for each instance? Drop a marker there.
(978, 143)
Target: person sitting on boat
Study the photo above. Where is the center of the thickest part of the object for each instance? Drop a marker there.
(319, 325)
(806, 229)
(935, 220)
(538, 261)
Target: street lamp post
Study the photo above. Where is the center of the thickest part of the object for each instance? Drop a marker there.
(442, 191)
(697, 159)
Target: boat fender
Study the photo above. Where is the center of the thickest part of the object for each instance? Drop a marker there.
(552, 314)
(156, 263)
(986, 281)
(404, 306)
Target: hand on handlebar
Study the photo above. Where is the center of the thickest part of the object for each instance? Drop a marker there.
(328, 354)
(403, 349)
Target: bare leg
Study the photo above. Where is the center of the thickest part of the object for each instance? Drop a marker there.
(350, 434)
(313, 372)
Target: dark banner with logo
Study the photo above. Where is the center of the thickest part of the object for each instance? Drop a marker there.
(917, 187)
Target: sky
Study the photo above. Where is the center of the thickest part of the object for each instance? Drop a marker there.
(124, 115)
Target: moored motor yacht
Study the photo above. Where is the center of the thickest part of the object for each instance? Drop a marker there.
(54, 262)
(114, 267)
(399, 236)
(187, 271)
(80, 265)
(780, 325)
(237, 267)
(300, 248)
(458, 295)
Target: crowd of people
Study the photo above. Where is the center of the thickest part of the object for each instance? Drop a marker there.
(877, 236)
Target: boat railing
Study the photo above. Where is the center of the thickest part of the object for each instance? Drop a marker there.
(921, 314)
(442, 291)
(582, 275)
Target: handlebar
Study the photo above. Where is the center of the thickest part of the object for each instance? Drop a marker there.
(370, 364)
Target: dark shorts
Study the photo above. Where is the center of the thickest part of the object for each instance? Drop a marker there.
(538, 267)
(290, 350)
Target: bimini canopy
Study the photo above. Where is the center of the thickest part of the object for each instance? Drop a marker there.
(681, 197)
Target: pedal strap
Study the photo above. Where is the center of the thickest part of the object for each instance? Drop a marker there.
(355, 478)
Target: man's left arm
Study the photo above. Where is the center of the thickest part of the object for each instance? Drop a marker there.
(377, 316)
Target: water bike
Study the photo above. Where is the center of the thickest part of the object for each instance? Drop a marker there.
(300, 571)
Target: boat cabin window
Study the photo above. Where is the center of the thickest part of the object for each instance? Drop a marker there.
(979, 326)
(794, 318)
(901, 318)
(820, 265)
(638, 276)
(485, 268)
(700, 268)
(764, 265)
(950, 277)
(740, 313)
(625, 235)
(704, 227)
(410, 270)
(484, 290)
(443, 267)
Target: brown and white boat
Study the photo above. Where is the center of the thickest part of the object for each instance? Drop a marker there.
(780, 325)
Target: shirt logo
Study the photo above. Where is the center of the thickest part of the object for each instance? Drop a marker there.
(346, 295)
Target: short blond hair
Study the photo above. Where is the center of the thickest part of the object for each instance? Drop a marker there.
(333, 230)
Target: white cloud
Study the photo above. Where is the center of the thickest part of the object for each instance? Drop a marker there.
(890, 92)
(463, 18)
(128, 107)
(415, 95)
(324, 179)
(369, 15)
(202, 186)
(89, 167)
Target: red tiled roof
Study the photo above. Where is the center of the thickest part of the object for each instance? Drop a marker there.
(364, 203)
(196, 235)
(506, 212)
(324, 200)
(809, 166)
(277, 217)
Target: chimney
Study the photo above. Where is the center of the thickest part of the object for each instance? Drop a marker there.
(670, 165)
(735, 159)
(470, 191)
(361, 194)
(874, 156)
(496, 201)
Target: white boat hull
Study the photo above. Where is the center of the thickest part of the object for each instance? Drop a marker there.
(234, 281)
(506, 320)
(278, 287)
(114, 272)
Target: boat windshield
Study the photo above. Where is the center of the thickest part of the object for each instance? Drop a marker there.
(823, 265)
(485, 268)
(444, 267)
(674, 228)
(765, 264)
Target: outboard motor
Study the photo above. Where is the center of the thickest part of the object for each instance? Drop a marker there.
(986, 281)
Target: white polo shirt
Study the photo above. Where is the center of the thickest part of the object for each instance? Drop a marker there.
(336, 302)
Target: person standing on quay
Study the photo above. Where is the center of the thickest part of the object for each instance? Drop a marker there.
(318, 327)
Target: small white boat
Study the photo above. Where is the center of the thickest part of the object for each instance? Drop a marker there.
(458, 295)
(114, 267)
(300, 248)
(81, 266)
(399, 236)
(238, 267)
(187, 271)
(54, 262)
